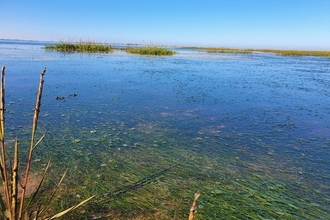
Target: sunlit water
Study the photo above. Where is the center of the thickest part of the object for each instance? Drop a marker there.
(259, 113)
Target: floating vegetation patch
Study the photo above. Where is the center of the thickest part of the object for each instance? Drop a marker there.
(295, 53)
(84, 47)
(229, 50)
(298, 53)
(150, 50)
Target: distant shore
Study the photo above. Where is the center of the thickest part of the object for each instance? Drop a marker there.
(214, 50)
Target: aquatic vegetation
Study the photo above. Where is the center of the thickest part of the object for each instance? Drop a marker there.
(162, 179)
(85, 47)
(229, 50)
(150, 50)
(296, 53)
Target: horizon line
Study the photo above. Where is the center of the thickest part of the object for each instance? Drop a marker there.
(197, 47)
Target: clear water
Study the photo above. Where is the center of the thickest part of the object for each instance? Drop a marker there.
(250, 115)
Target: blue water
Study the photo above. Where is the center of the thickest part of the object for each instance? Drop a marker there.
(261, 104)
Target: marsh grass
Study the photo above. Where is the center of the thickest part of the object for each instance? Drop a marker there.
(150, 50)
(298, 53)
(229, 50)
(294, 53)
(84, 47)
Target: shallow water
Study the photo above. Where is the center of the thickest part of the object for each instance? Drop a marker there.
(230, 125)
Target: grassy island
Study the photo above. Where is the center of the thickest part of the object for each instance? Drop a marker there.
(86, 47)
(150, 50)
(295, 53)
(298, 53)
(229, 50)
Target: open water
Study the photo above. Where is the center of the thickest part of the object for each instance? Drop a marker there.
(245, 115)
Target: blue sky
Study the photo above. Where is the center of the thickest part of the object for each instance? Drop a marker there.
(273, 24)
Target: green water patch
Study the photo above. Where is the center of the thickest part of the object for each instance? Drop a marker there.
(148, 171)
(149, 163)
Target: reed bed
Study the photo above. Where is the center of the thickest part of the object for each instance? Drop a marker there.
(294, 53)
(297, 53)
(85, 47)
(150, 50)
(229, 50)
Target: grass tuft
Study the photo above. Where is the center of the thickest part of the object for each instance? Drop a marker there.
(85, 47)
(150, 50)
(229, 50)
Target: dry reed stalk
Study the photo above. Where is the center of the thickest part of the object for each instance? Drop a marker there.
(9, 211)
(32, 145)
(14, 180)
(193, 207)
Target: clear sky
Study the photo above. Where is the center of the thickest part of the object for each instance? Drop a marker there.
(272, 24)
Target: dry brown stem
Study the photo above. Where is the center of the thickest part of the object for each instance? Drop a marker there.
(3, 151)
(193, 207)
(34, 128)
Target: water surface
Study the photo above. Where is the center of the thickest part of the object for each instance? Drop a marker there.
(250, 132)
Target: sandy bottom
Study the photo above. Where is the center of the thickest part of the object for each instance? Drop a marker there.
(33, 183)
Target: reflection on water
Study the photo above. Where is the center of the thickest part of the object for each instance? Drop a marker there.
(250, 132)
